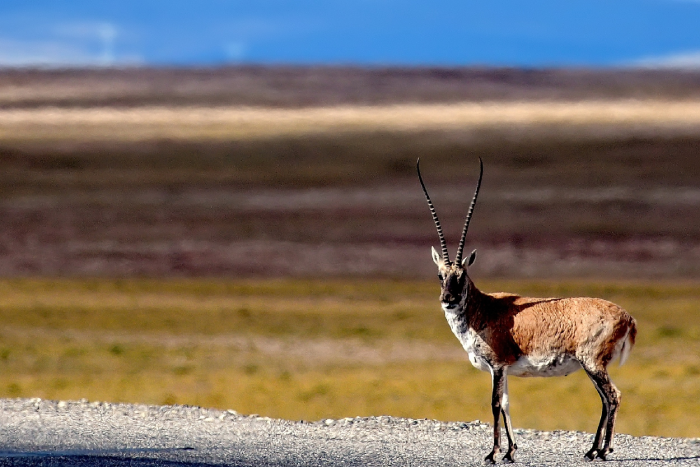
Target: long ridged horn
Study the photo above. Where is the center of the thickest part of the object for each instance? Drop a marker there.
(443, 243)
(458, 259)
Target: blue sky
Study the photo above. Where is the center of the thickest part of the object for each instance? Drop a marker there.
(530, 33)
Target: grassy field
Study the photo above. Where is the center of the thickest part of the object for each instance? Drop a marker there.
(304, 349)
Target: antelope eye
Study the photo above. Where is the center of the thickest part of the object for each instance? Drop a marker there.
(439, 276)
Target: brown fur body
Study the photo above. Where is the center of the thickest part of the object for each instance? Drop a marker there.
(589, 330)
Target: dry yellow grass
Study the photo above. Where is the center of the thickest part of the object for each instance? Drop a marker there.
(193, 122)
(309, 350)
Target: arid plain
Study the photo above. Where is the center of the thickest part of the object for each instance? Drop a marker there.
(256, 239)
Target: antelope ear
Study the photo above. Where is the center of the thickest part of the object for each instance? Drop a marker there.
(469, 261)
(436, 257)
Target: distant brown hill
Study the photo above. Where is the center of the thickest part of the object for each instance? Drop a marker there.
(193, 198)
(323, 86)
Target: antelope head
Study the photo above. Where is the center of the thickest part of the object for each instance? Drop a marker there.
(453, 276)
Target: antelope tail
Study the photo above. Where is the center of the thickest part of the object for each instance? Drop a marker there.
(628, 343)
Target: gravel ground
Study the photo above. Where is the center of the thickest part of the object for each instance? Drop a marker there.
(35, 432)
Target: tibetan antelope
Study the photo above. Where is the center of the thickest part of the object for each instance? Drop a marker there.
(506, 334)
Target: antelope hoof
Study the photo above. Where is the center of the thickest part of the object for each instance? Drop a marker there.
(508, 458)
(602, 454)
(490, 458)
(590, 455)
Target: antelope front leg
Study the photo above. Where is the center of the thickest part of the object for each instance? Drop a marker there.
(498, 379)
(505, 411)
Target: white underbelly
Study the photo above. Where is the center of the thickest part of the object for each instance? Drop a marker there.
(560, 365)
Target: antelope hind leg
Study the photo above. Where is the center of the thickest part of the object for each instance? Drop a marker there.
(613, 396)
(610, 398)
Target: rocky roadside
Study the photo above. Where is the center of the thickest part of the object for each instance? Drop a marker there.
(35, 432)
